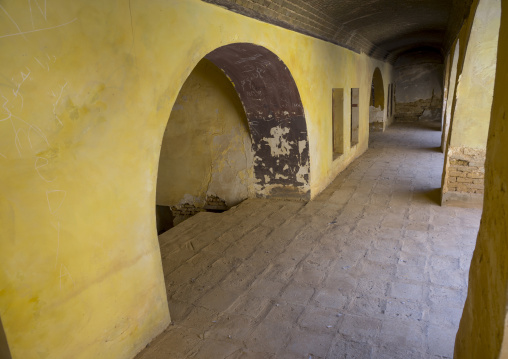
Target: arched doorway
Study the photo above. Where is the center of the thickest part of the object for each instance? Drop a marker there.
(237, 130)
(377, 102)
(276, 118)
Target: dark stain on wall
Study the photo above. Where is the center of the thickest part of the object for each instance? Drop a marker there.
(275, 115)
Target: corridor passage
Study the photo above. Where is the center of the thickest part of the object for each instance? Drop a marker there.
(372, 268)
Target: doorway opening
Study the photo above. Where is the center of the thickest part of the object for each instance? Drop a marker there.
(206, 161)
(237, 130)
(377, 103)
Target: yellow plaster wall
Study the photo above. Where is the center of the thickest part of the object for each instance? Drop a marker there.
(476, 84)
(468, 108)
(483, 65)
(206, 148)
(446, 84)
(483, 328)
(87, 88)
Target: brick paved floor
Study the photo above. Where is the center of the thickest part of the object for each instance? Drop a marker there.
(372, 268)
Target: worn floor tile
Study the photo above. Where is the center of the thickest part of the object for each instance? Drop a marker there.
(373, 267)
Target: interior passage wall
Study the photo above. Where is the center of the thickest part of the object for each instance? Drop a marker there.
(483, 331)
(446, 86)
(87, 88)
(419, 86)
(206, 149)
(450, 94)
(377, 113)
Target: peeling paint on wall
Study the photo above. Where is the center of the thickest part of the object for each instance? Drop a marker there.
(275, 115)
(279, 146)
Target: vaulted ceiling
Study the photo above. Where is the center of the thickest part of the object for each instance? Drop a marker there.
(381, 28)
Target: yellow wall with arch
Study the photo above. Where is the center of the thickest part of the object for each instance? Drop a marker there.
(87, 88)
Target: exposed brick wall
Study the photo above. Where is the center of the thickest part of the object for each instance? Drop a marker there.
(215, 203)
(184, 211)
(465, 171)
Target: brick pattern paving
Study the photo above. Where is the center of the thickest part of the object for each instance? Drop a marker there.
(372, 268)
(466, 170)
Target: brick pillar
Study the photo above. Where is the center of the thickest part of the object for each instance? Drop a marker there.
(463, 178)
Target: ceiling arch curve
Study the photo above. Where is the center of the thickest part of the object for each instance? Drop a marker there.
(382, 29)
